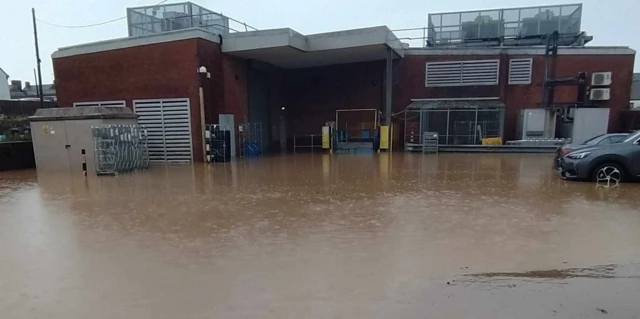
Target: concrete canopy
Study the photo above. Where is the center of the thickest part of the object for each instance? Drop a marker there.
(289, 49)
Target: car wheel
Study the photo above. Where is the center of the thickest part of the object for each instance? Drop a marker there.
(609, 173)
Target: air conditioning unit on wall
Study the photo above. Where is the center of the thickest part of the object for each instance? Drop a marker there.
(600, 94)
(601, 78)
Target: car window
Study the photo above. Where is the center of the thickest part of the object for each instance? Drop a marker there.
(605, 141)
(593, 140)
(617, 138)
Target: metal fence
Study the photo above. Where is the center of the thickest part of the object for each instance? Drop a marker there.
(250, 137)
(455, 27)
(412, 37)
(22, 108)
(453, 126)
(178, 16)
(540, 142)
(119, 148)
(308, 141)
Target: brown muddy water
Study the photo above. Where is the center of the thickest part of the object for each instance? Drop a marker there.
(315, 236)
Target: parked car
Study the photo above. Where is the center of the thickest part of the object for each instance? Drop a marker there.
(603, 139)
(604, 163)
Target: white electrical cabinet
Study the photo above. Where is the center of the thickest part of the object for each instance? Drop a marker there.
(588, 123)
(536, 123)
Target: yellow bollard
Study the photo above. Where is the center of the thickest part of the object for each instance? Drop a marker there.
(384, 137)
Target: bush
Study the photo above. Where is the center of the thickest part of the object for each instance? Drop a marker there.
(14, 127)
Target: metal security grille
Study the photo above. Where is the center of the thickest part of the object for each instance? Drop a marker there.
(520, 71)
(462, 73)
(101, 103)
(453, 126)
(169, 128)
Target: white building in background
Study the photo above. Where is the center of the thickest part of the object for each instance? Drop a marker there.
(4, 86)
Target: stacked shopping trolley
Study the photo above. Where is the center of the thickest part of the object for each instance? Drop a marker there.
(119, 148)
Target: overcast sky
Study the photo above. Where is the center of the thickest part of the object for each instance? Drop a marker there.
(612, 22)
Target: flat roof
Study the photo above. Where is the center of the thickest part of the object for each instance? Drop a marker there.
(533, 50)
(82, 113)
(288, 48)
(129, 42)
(284, 47)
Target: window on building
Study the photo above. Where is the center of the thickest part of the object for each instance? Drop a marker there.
(520, 71)
(462, 73)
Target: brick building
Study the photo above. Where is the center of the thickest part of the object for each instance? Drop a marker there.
(292, 84)
(410, 78)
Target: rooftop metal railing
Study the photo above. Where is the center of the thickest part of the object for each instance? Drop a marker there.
(414, 37)
(176, 16)
(452, 28)
(240, 25)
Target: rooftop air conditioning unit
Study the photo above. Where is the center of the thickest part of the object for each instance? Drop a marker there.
(601, 78)
(600, 94)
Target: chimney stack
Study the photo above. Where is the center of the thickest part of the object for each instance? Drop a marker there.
(16, 85)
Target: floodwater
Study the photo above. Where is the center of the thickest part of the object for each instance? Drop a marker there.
(315, 236)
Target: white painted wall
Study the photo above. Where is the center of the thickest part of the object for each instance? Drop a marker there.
(4, 86)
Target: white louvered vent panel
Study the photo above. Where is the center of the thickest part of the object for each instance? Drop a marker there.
(520, 71)
(462, 73)
(101, 103)
(169, 128)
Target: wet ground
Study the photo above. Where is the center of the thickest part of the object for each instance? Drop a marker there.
(349, 236)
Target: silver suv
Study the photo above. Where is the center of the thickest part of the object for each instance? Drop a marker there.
(604, 163)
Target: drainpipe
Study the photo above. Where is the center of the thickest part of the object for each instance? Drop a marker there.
(503, 79)
(202, 72)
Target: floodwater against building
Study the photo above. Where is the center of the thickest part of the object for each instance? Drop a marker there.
(348, 236)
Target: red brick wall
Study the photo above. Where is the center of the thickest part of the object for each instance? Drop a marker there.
(226, 91)
(409, 83)
(209, 56)
(156, 71)
(527, 96)
(234, 77)
(313, 94)
(164, 70)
